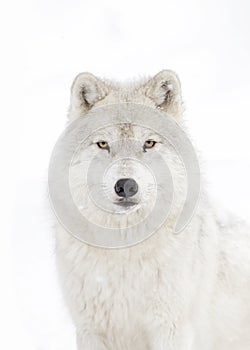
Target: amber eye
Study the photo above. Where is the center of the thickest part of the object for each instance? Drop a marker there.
(103, 145)
(149, 144)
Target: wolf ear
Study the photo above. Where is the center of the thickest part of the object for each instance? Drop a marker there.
(165, 90)
(86, 90)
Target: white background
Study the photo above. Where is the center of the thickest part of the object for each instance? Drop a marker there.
(44, 45)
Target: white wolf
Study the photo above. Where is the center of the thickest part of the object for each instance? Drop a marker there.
(170, 292)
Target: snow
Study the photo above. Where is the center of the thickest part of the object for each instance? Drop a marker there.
(207, 43)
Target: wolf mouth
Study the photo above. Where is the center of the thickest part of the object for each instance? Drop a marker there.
(125, 203)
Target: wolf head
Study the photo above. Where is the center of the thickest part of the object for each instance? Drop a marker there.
(116, 173)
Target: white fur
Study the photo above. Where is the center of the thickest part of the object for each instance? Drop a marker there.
(172, 292)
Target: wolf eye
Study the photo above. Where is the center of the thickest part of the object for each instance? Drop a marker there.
(149, 144)
(103, 145)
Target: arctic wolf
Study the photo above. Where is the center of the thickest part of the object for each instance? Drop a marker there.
(187, 291)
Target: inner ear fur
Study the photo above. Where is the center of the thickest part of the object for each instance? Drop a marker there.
(86, 90)
(165, 91)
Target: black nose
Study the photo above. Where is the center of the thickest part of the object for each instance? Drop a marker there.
(126, 188)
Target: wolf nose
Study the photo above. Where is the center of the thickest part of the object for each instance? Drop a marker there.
(126, 188)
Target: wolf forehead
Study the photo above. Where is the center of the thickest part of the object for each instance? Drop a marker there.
(118, 130)
(161, 91)
(126, 130)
